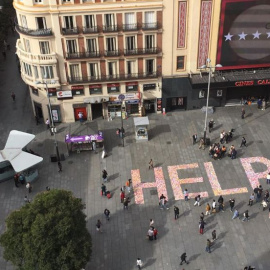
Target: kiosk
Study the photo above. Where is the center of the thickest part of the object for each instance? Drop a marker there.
(141, 128)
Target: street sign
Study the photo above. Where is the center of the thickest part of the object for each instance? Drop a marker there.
(121, 97)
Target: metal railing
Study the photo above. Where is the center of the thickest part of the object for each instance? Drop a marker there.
(130, 27)
(78, 55)
(111, 53)
(34, 32)
(141, 51)
(150, 26)
(70, 31)
(89, 30)
(110, 28)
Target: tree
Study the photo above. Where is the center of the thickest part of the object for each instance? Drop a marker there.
(48, 234)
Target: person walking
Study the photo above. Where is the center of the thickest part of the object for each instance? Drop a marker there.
(184, 258)
(151, 224)
(13, 96)
(176, 212)
(128, 185)
(211, 125)
(186, 194)
(243, 112)
(125, 203)
(202, 216)
(122, 196)
(201, 226)
(163, 202)
(29, 187)
(107, 214)
(244, 142)
(232, 202)
(202, 144)
(80, 115)
(197, 200)
(151, 164)
(155, 233)
(98, 226)
(103, 190)
(59, 166)
(251, 199)
(208, 246)
(214, 206)
(207, 209)
(220, 204)
(268, 178)
(16, 180)
(246, 216)
(194, 138)
(150, 234)
(104, 175)
(235, 214)
(139, 263)
(214, 235)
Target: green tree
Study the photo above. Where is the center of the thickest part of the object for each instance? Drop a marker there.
(48, 233)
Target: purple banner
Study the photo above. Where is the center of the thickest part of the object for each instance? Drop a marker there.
(84, 138)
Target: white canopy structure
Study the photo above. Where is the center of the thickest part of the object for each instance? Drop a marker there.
(13, 152)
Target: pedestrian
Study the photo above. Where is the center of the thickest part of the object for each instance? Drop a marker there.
(268, 178)
(26, 200)
(139, 263)
(150, 234)
(201, 216)
(94, 147)
(109, 117)
(207, 209)
(232, 202)
(163, 202)
(122, 196)
(186, 194)
(184, 258)
(125, 203)
(259, 193)
(201, 226)
(98, 226)
(107, 214)
(197, 200)
(104, 175)
(29, 187)
(80, 115)
(16, 180)
(251, 199)
(103, 190)
(243, 112)
(264, 204)
(211, 125)
(59, 166)
(220, 204)
(208, 246)
(128, 185)
(266, 196)
(151, 222)
(48, 125)
(151, 164)
(176, 212)
(244, 142)
(214, 206)
(22, 179)
(246, 216)
(37, 119)
(214, 235)
(155, 232)
(235, 214)
(202, 145)
(13, 96)
(194, 137)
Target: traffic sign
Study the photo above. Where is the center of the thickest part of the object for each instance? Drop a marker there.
(121, 97)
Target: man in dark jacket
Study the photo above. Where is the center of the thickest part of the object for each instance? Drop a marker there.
(220, 203)
(183, 258)
(232, 202)
(176, 212)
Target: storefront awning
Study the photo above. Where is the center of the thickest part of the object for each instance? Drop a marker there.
(148, 96)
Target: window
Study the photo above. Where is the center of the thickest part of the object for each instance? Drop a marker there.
(27, 69)
(23, 21)
(130, 21)
(68, 20)
(74, 71)
(130, 43)
(93, 71)
(46, 72)
(35, 72)
(110, 44)
(180, 62)
(89, 21)
(44, 47)
(27, 45)
(38, 1)
(109, 20)
(41, 23)
(71, 46)
(65, 1)
(112, 69)
(130, 67)
(149, 66)
(149, 41)
(91, 45)
(149, 18)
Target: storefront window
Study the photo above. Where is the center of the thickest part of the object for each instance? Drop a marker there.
(180, 62)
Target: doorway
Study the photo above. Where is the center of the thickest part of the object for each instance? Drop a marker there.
(38, 110)
(80, 110)
(96, 110)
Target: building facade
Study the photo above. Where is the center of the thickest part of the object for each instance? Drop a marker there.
(88, 54)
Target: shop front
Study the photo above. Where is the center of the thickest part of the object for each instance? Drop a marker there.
(149, 103)
(80, 109)
(98, 105)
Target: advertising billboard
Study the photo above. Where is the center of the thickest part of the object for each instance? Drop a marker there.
(244, 34)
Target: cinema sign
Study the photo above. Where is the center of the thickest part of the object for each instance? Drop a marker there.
(252, 82)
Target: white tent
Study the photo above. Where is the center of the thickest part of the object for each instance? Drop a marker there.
(13, 152)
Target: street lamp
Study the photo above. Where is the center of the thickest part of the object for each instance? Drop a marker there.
(208, 66)
(53, 129)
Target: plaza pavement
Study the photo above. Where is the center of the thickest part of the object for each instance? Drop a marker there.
(124, 236)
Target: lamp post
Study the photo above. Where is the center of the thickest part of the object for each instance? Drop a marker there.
(207, 66)
(53, 129)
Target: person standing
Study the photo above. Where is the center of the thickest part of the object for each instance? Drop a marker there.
(232, 202)
(244, 142)
(151, 164)
(16, 180)
(201, 226)
(268, 178)
(151, 224)
(29, 187)
(194, 137)
(202, 216)
(107, 214)
(211, 125)
(251, 199)
(59, 166)
(122, 196)
(150, 234)
(184, 258)
(220, 203)
(214, 206)
(214, 235)
(186, 194)
(13, 96)
(155, 232)
(246, 216)
(207, 209)
(163, 202)
(104, 175)
(176, 212)
(197, 200)
(80, 115)
(128, 184)
(125, 203)
(202, 145)
(98, 226)
(208, 246)
(103, 190)
(139, 263)
(243, 112)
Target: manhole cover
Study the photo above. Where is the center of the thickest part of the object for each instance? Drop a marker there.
(70, 162)
(40, 144)
(153, 192)
(169, 142)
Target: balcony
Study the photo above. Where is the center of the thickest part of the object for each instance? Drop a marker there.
(130, 27)
(70, 31)
(36, 59)
(154, 50)
(35, 33)
(112, 53)
(78, 55)
(90, 30)
(111, 28)
(151, 26)
(116, 77)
